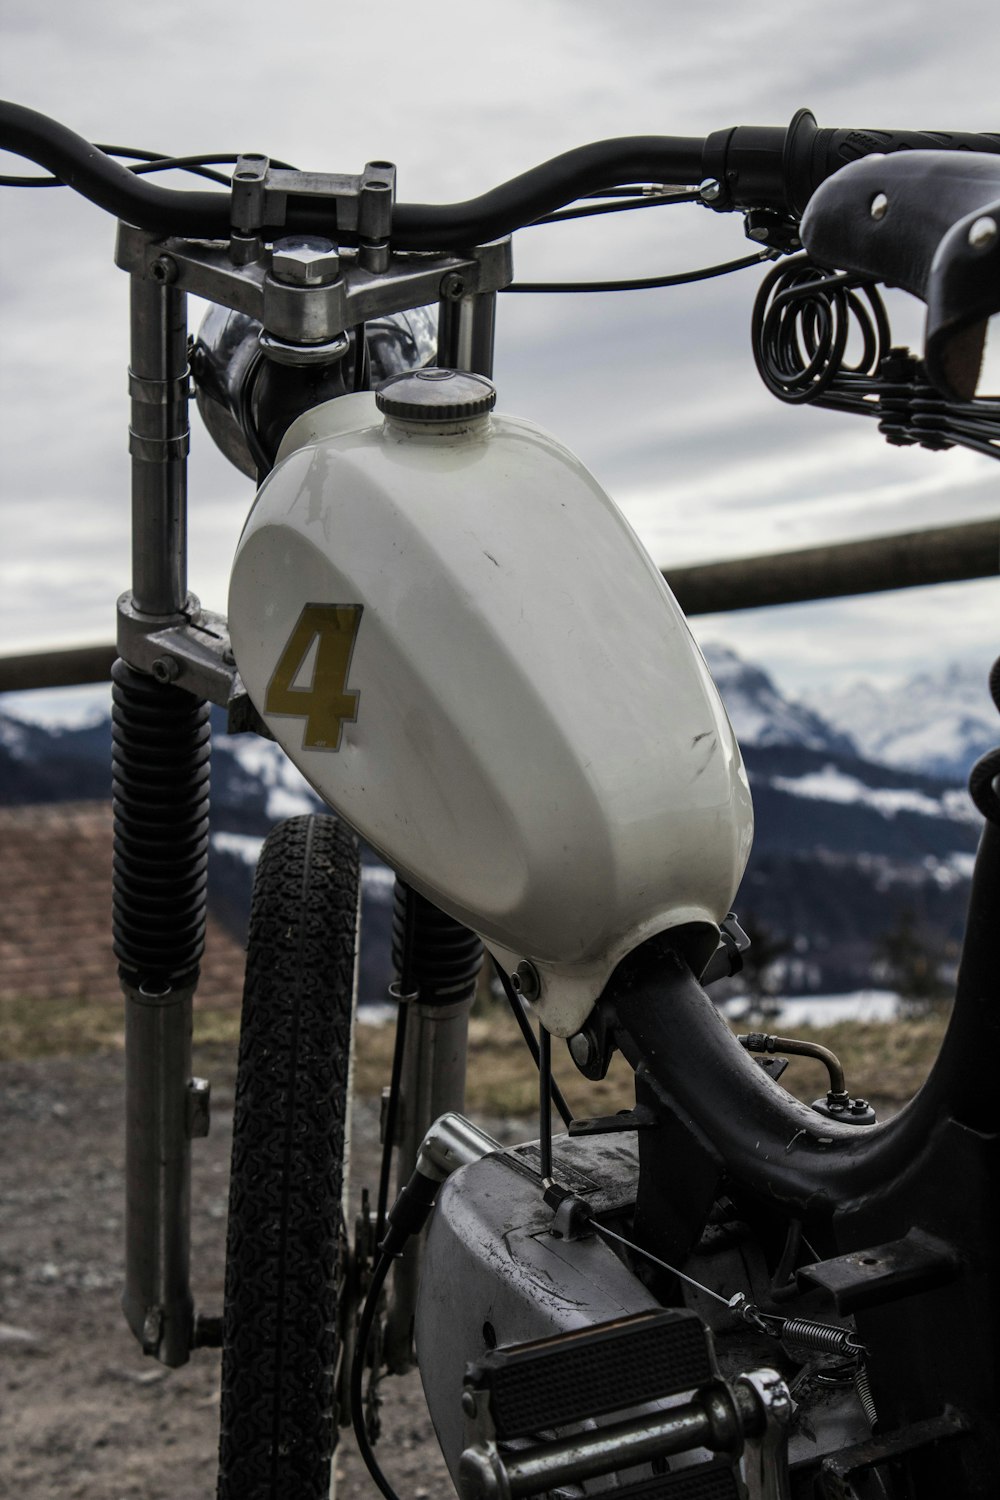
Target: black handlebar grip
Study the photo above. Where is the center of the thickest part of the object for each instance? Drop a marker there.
(763, 166)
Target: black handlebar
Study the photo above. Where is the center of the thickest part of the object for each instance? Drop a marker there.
(755, 166)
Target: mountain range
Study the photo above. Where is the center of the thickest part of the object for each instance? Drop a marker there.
(862, 819)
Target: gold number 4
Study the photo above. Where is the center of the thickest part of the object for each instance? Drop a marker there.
(326, 703)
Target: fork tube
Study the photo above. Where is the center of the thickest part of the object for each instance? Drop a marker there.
(161, 748)
(465, 333)
(159, 442)
(445, 964)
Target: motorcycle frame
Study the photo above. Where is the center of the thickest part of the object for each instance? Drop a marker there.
(163, 632)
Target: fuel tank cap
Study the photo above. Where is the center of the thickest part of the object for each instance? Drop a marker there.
(435, 395)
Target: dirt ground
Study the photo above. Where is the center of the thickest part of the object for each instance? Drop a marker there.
(83, 1414)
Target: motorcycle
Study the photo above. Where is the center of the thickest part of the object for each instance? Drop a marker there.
(449, 628)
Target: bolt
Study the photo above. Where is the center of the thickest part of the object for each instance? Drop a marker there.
(228, 657)
(710, 190)
(525, 981)
(983, 233)
(152, 1330)
(164, 270)
(761, 234)
(452, 287)
(582, 1048)
(879, 206)
(859, 1106)
(305, 260)
(166, 669)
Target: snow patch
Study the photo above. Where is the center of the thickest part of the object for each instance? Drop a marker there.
(833, 785)
(60, 708)
(244, 846)
(788, 1011)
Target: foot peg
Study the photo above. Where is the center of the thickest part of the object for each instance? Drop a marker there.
(518, 1399)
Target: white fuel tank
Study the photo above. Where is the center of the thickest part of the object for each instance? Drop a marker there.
(458, 639)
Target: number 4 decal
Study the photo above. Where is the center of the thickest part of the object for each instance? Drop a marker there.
(325, 701)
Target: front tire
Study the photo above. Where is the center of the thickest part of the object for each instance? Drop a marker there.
(285, 1241)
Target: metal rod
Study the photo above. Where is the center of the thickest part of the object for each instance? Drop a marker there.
(68, 667)
(946, 554)
(158, 442)
(708, 1420)
(545, 1103)
(157, 1300)
(432, 1084)
(466, 329)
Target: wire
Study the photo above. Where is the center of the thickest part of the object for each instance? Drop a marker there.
(609, 1234)
(624, 205)
(545, 1103)
(357, 1377)
(645, 283)
(151, 161)
(514, 1001)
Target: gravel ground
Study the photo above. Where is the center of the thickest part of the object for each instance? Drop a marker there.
(83, 1415)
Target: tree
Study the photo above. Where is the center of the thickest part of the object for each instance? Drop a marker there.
(908, 960)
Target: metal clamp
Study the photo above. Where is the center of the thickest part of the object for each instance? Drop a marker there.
(191, 650)
(362, 204)
(313, 314)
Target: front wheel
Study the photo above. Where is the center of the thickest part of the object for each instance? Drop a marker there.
(285, 1242)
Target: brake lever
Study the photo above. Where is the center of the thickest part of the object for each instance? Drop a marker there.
(929, 222)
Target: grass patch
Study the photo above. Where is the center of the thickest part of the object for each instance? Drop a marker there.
(885, 1062)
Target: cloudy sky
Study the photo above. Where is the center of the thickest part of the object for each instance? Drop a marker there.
(655, 391)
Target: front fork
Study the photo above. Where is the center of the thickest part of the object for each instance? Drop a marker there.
(160, 795)
(161, 784)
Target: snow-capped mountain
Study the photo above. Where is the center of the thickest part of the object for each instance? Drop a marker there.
(762, 715)
(848, 838)
(939, 723)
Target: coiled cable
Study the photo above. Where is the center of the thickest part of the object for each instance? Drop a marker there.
(802, 320)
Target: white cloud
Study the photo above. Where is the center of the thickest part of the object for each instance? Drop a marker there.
(657, 393)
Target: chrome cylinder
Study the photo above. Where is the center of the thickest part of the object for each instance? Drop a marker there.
(159, 1122)
(159, 443)
(432, 1084)
(466, 328)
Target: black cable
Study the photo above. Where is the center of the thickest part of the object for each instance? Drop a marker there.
(620, 206)
(514, 1001)
(407, 992)
(365, 1323)
(391, 1115)
(416, 226)
(146, 162)
(545, 1104)
(641, 284)
(88, 170)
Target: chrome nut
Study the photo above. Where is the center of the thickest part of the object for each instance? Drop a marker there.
(305, 260)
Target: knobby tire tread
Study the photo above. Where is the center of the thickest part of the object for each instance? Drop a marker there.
(283, 1254)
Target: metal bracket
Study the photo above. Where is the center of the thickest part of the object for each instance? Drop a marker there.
(874, 1276)
(838, 1468)
(312, 314)
(363, 200)
(192, 651)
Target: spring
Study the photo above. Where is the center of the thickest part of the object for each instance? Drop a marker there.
(160, 778)
(864, 1393)
(822, 1337)
(444, 957)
